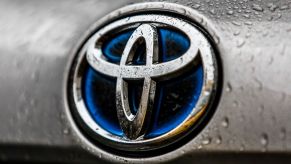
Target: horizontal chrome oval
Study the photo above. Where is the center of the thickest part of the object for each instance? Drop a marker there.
(97, 60)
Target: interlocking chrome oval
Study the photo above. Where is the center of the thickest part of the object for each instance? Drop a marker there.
(163, 70)
(135, 125)
(132, 125)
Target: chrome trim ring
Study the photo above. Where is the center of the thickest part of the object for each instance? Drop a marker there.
(200, 45)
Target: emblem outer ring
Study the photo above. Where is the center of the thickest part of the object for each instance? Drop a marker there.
(205, 100)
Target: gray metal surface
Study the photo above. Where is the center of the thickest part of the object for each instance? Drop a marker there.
(251, 122)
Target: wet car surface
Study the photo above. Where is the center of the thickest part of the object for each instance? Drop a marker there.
(38, 42)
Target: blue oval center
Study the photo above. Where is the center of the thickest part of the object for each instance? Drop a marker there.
(174, 99)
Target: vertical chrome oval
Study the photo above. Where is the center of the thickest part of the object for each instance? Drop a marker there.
(132, 125)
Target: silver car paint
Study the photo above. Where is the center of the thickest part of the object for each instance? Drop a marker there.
(251, 122)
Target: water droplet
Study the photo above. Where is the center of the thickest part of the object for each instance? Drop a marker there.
(278, 16)
(236, 23)
(235, 103)
(271, 60)
(35, 76)
(248, 35)
(284, 7)
(206, 141)
(242, 148)
(196, 6)
(212, 11)
(66, 131)
(216, 39)
(264, 139)
(225, 122)
(200, 147)
(257, 7)
(265, 33)
(228, 87)
(272, 7)
(174, 95)
(259, 84)
(240, 43)
(218, 140)
(248, 23)
(246, 15)
(282, 133)
(230, 12)
(236, 33)
(127, 19)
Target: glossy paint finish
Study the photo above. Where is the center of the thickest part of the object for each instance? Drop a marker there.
(251, 122)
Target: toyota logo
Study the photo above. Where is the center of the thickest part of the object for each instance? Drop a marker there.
(143, 81)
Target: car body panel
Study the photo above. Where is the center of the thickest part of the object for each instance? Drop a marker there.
(251, 122)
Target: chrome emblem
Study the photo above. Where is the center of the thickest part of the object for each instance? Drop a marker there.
(137, 128)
